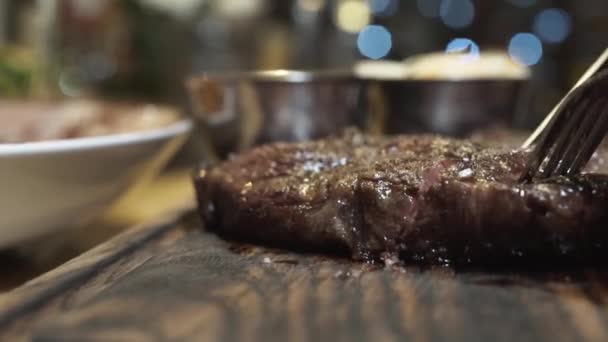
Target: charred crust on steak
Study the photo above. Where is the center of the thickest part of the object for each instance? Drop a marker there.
(425, 198)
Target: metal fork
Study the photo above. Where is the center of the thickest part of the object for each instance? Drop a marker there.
(570, 134)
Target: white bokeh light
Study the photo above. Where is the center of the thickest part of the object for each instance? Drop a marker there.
(525, 48)
(374, 41)
(552, 25)
(457, 14)
(352, 15)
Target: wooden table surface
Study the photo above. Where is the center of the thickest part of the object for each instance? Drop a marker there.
(172, 281)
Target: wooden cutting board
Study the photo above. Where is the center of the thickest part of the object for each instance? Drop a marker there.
(172, 281)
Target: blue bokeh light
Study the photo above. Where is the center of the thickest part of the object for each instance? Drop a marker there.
(374, 41)
(526, 48)
(457, 14)
(552, 25)
(462, 45)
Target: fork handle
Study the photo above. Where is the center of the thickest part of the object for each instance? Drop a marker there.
(599, 64)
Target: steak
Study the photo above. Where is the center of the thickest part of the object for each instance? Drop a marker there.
(422, 198)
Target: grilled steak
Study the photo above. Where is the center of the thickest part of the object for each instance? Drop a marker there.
(424, 198)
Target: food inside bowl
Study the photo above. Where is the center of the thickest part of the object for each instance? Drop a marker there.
(29, 122)
(446, 66)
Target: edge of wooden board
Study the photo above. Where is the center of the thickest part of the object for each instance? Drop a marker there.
(38, 291)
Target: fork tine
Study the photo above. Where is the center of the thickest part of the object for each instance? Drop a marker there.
(598, 132)
(560, 145)
(544, 145)
(573, 133)
(571, 121)
(588, 112)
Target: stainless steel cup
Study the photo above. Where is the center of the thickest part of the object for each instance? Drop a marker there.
(243, 109)
(455, 108)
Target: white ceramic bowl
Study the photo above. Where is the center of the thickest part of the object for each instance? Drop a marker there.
(49, 185)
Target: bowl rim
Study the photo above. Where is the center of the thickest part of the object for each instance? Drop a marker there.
(402, 78)
(177, 128)
(277, 75)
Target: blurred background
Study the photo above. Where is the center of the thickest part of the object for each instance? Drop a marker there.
(143, 49)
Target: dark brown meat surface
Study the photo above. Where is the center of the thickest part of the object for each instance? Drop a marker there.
(423, 198)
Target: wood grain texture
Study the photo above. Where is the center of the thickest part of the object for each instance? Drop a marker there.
(89, 273)
(173, 282)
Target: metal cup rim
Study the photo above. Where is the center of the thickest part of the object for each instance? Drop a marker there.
(278, 75)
